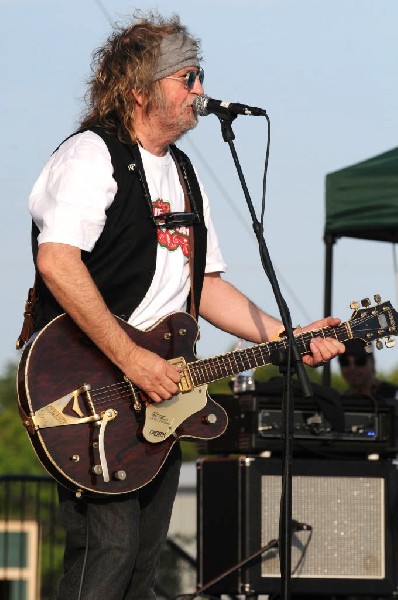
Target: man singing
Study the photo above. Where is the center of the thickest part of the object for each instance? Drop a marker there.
(109, 239)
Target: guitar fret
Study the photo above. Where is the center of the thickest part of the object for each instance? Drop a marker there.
(232, 363)
(256, 360)
(235, 361)
(347, 329)
(226, 366)
(262, 352)
(193, 374)
(220, 368)
(210, 369)
(197, 368)
(246, 361)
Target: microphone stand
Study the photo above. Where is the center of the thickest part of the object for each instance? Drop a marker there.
(291, 361)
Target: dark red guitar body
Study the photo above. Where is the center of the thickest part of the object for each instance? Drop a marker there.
(60, 360)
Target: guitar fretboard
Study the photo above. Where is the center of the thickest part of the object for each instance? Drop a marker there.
(211, 369)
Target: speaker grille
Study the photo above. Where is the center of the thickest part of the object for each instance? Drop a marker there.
(347, 519)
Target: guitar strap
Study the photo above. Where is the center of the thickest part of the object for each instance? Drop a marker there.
(189, 205)
(28, 323)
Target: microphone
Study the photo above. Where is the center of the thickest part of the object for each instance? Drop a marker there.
(205, 106)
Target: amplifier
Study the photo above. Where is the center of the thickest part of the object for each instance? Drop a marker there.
(349, 507)
(326, 425)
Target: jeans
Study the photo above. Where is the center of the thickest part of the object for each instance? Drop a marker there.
(113, 543)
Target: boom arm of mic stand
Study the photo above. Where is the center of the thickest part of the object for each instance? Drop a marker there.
(293, 362)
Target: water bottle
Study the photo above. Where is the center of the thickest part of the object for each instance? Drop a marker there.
(244, 382)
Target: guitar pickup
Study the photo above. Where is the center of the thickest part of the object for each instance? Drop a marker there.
(186, 383)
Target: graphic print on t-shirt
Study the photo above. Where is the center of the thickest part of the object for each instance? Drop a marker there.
(172, 239)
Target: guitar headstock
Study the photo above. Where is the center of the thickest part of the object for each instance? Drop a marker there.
(370, 323)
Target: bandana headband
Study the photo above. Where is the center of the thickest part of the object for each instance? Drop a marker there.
(175, 52)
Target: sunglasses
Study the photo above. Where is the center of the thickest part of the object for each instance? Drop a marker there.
(190, 78)
(359, 361)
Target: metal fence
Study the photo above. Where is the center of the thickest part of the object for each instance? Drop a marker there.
(32, 540)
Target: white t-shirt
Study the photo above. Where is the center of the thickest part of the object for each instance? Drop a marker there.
(75, 188)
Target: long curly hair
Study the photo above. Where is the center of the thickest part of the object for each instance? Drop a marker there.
(125, 62)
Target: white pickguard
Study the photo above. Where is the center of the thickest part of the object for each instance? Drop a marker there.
(162, 419)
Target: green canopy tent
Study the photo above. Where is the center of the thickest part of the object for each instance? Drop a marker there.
(361, 202)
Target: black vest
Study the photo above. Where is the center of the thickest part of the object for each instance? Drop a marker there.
(123, 260)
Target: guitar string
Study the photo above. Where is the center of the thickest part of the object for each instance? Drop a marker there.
(202, 367)
(208, 365)
(242, 359)
(212, 369)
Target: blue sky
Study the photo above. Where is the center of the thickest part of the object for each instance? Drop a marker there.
(325, 71)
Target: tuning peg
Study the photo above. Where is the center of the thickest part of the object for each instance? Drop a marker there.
(369, 349)
(365, 302)
(390, 342)
(377, 298)
(354, 305)
(379, 344)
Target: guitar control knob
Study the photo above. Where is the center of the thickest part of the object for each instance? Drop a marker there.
(120, 475)
(97, 470)
(209, 419)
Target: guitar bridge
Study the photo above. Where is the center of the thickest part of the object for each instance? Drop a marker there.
(53, 414)
(186, 383)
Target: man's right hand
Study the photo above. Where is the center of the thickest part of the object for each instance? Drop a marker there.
(152, 374)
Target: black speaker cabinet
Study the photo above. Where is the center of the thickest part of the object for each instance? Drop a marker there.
(351, 507)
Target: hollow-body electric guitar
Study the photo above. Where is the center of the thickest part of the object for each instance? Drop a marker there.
(95, 431)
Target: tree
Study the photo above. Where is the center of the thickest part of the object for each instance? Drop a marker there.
(16, 453)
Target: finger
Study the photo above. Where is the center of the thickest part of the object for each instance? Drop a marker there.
(309, 361)
(153, 397)
(332, 321)
(160, 394)
(321, 323)
(316, 354)
(323, 350)
(174, 373)
(330, 345)
(167, 389)
(171, 388)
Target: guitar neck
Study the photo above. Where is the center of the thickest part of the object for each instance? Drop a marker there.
(207, 370)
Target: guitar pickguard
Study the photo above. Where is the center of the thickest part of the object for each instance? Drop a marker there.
(162, 420)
